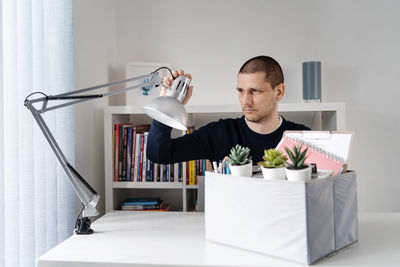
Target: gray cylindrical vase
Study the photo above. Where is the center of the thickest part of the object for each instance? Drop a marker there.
(312, 81)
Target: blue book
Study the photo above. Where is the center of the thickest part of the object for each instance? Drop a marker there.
(142, 201)
(148, 169)
(167, 173)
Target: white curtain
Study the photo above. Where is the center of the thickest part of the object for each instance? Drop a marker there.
(37, 203)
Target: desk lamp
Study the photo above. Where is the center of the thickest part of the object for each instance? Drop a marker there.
(166, 109)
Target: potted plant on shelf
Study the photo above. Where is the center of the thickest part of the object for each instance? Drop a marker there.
(273, 166)
(297, 170)
(240, 163)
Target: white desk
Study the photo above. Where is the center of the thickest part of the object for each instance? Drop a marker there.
(178, 239)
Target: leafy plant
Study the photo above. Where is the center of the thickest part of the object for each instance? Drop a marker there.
(239, 155)
(273, 159)
(297, 157)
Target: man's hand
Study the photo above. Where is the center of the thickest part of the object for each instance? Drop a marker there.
(168, 82)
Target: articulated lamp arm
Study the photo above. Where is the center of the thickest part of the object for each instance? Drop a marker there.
(79, 184)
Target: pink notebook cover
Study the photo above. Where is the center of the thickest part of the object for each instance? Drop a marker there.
(323, 161)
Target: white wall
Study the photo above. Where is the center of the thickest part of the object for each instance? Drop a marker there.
(94, 54)
(357, 42)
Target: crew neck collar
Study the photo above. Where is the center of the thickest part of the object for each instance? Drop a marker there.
(281, 120)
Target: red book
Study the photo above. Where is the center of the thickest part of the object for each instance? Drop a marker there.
(125, 133)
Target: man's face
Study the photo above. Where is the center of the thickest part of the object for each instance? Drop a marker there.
(256, 96)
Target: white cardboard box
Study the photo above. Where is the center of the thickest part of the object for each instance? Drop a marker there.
(297, 221)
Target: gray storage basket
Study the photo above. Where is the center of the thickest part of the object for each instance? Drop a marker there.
(239, 213)
(332, 221)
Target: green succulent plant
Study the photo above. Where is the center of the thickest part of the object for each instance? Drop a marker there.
(239, 155)
(273, 159)
(297, 157)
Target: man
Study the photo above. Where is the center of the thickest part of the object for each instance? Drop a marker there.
(260, 88)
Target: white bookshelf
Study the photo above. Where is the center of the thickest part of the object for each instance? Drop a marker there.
(318, 116)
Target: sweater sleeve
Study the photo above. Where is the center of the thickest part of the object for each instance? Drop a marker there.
(162, 149)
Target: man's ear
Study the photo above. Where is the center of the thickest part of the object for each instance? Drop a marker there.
(279, 91)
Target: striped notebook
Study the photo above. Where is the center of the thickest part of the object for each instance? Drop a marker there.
(321, 148)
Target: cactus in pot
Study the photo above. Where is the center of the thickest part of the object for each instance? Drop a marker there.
(239, 155)
(297, 158)
(297, 170)
(273, 165)
(273, 159)
(240, 163)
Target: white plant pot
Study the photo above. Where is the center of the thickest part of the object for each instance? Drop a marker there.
(302, 175)
(242, 170)
(274, 173)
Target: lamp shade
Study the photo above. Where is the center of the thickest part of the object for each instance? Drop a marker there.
(167, 110)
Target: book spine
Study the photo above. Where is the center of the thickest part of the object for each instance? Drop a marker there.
(171, 173)
(116, 151)
(156, 172)
(151, 174)
(140, 167)
(162, 178)
(140, 207)
(120, 150)
(129, 154)
(187, 173)
(184, 171)
(124, 154)
(137, 154)
(133, 154)
(148, 170)
(144, 167)
(167, 172)
(180, 171)
(192, 172)
(176, 172)
(200, 167)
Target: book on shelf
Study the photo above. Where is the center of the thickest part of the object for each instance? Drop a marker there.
(118, 151)
(116, 144)
(124, 152)
(163, 207)
(139, 207)
(129, 153)
(131, 162)
(124, 142)
(144, 164)
(136, 157)
(142, 204)
(140, 160)
(142, 201)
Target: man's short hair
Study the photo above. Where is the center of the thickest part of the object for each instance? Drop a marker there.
(268, 65)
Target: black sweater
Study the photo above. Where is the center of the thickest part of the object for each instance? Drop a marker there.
(212, 141)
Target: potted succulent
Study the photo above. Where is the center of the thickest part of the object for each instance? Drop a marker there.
(240, 163)
(273, 166)
(297, 170)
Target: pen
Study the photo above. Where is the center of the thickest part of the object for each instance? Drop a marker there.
(215, 167)
(228, 171)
